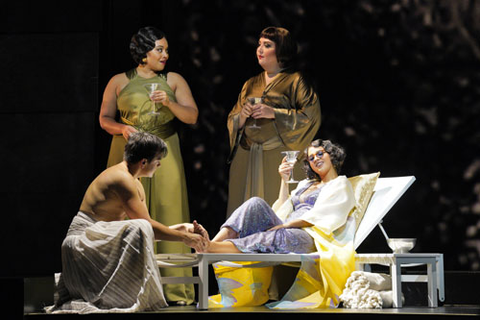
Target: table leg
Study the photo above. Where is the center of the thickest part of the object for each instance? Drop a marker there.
(440, 279)
(396, 273)
(203, 285)
(432, 284)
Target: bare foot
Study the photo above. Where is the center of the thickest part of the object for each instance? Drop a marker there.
(199, 229)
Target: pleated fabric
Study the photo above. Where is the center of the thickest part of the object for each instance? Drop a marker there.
(108, 267)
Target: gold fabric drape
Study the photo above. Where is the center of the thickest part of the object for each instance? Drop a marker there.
(256, 153)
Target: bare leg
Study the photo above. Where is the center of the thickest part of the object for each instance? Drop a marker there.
(225, 233)
(217, 246)
(222, 247)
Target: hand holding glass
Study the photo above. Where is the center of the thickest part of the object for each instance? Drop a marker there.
(253, 101)
(291, 159)
(151, 87)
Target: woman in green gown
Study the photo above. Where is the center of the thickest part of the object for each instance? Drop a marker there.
(166, 191)
(287, 118)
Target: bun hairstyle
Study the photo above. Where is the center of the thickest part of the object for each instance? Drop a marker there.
(144, 41)
(286, 47)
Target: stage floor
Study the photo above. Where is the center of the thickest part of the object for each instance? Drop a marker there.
(454, 311)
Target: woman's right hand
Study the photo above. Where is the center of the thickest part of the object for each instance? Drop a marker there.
(247, 110)
(245, 113)
(285, 169)
(127, 131)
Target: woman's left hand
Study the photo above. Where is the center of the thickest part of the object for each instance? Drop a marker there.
(261, 110)
(160, 96)
(298, 223)
(280, 226)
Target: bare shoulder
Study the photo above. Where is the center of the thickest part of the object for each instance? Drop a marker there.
(119, 80)
(119, 77)
(174, 76)
(175, 80)
(117, 178)
(116, 84)
(126, 186)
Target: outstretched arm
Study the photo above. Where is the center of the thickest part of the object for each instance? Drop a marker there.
(194, 227)
(135, 209)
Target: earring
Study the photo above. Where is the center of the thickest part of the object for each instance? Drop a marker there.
(144, 60)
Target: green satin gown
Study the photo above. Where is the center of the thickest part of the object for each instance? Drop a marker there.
(166, 191)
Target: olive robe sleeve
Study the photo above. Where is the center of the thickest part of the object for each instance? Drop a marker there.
(298, 118)
(295, 103)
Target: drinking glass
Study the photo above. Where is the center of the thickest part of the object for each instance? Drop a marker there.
(253, 101)
(291, 159)
(151, 87)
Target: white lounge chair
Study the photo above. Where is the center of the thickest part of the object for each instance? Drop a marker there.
(385, 194)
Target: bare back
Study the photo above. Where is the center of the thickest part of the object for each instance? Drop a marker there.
(105, 197)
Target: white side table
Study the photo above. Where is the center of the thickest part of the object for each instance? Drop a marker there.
(434, 277)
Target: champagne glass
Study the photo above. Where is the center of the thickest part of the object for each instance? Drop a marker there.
(151, 87)
(291, 159)
(253, 101)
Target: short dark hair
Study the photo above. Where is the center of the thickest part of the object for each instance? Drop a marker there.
(144, 41)
(285, 45)
(336, 152)
(143, 145)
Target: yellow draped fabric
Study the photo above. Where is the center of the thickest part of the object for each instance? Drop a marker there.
(240, 287)
(322, 275)
(166, 191)
(256, 153)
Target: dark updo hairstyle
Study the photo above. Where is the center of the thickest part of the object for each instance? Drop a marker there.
(143, 145)
(285, 46)
(144, 41)
(336, 152)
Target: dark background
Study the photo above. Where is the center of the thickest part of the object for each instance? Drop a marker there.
(399, 84)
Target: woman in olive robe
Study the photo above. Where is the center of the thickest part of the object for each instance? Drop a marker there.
(156, 113)
(286, 117)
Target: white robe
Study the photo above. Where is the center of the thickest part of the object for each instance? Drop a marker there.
(331, 210)
(321, 278)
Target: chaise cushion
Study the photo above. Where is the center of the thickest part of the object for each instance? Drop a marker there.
(363, 186)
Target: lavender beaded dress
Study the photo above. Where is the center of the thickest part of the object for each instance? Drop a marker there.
(255, 216)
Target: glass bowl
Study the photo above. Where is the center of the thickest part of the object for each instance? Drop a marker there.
(401, 245)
